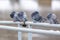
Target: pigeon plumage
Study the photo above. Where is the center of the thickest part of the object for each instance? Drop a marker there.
(52, 18)
(19, 16)
(36, 17)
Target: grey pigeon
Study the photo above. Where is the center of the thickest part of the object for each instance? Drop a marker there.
(36, 17)
(19, 16)
(52, 18)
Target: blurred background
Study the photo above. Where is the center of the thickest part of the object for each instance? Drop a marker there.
(28, 6)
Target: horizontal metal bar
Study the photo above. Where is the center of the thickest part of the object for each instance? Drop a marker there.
(31, 23)
(38, 31)
(10, 22)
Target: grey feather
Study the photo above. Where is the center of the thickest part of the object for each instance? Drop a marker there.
(36, 17)
(52, 18)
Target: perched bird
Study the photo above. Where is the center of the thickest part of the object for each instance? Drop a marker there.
(22, 16)
(52, 18)
(13, 15)
(36, 17)
(19, 16)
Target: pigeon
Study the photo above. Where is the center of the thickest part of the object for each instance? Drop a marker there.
(13, 15)
(19, 16)
(36, 17)
(52, 18)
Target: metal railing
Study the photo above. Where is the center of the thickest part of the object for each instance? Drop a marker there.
(30, 30)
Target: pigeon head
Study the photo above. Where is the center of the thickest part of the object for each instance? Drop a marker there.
(49, 15)
(35, 13)
(20, 13)
(12, 14)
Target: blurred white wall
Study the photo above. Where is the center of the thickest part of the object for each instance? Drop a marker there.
(29, 5)
(55, 4)
(5, 5)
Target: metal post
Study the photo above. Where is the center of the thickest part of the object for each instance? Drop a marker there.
(29, 34)
(19, 33)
